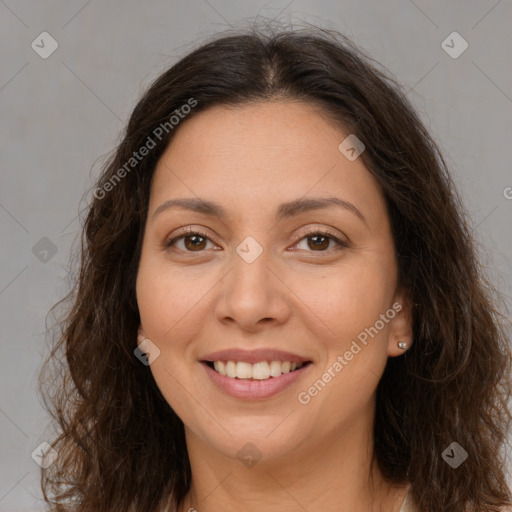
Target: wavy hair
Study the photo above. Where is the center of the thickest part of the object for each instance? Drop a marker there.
(122, 447)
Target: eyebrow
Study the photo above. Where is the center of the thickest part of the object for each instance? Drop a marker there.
(285, 210)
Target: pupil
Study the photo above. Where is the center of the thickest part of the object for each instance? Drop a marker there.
(198, 240)
(318, 244)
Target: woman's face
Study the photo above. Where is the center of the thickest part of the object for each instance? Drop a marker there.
(264, 283)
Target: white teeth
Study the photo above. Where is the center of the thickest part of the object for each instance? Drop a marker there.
(243, 370)
(231, 369)
(220, 367)
(275, 368)
(258, 371)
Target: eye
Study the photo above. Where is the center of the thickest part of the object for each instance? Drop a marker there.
(319, 240)
(194, 241)
(316, 240)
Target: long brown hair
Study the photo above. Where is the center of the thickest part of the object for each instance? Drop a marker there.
(121, 446)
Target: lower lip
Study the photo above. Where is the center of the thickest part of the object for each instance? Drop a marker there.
(250, 389)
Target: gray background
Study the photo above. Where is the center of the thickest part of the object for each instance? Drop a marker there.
(60, 114)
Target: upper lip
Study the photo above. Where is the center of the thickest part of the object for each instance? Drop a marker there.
(254, 356)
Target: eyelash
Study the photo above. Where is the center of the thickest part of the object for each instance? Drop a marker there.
(322, 232)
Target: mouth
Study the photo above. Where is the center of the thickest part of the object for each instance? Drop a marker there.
(259, 371)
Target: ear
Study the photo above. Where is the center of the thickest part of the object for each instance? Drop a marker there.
(140, 335)
(400, 324)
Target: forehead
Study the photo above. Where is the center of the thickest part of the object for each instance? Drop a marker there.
(260, 152)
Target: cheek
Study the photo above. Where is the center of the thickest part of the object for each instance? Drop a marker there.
(168, 298)
(349, 302)
(348, 298)
(169, 306)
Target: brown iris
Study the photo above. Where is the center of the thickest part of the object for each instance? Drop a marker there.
(318, 245)
(196, 244)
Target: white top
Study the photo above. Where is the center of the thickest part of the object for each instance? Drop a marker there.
(406, 506)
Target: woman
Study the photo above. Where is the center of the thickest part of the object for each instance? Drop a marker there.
(279, 305)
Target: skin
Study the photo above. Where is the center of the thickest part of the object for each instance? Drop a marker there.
(295, 297)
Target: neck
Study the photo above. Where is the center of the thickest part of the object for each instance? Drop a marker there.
(337, 473)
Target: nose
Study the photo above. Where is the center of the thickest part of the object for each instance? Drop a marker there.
(253, 294)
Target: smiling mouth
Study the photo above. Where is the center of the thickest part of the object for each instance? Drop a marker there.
(262, 370)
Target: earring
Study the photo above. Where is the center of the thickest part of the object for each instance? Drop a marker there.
(402, 345)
